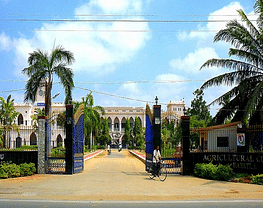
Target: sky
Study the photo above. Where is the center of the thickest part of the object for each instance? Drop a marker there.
(126, 52)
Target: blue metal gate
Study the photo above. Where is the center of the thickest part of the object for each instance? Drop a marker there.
(78, 141)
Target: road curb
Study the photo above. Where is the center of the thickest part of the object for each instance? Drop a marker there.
(89, 156)
(139, 156)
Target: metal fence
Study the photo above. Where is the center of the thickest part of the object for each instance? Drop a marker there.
(56, 165)
(19, 157)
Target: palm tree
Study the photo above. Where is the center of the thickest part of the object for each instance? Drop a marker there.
(7, 116)
(245, 98)
(43, 66)
(92, 117)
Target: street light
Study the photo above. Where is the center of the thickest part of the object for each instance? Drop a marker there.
(56, 95)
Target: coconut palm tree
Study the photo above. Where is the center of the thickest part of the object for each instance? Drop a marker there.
(43, 66)
(246, 97)
(7, 116)
(92, 117)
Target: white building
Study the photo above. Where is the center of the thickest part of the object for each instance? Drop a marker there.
(116, 118)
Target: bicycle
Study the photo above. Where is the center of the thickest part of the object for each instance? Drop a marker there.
(161, 172)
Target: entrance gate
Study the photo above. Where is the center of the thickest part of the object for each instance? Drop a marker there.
(73, 162)
(78, 141)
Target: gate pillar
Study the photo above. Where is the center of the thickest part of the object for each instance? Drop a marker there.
(69, 139)
(42, 163)
(185, 125)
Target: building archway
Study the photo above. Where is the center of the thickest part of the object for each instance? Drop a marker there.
(131, 122)
(18, 142)
(116, 124)
(110, 123)
(20, 119)
(33, 139)
(123, 121)
(59, 141)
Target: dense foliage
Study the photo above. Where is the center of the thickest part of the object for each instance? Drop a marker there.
(245, 99)
(215, 172)
(258, 179)
(7, 116)
(11, 170)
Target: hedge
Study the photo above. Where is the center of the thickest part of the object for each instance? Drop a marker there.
(215, 172)
(11, 170)
(257, 179)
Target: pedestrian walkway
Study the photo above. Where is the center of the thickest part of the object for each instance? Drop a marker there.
(122, 177)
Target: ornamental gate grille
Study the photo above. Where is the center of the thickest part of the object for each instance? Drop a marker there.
(78, 141)
(55, 165)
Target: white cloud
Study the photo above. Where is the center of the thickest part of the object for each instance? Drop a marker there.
(222, 16)
(94, 51)
(193, 61)
(5, 42)
(112, 7)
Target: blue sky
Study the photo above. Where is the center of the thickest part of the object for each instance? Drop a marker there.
(137, 60)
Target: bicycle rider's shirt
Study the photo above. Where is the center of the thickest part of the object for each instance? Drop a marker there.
(157, 155)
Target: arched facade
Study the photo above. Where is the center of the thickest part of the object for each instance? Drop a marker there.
(117, 117)
(33, 139)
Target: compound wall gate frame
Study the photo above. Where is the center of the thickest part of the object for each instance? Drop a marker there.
(78, 140)
(55, 165)
(74, 140)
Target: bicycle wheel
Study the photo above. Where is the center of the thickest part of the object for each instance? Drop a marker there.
(150, 173)
(162, 174)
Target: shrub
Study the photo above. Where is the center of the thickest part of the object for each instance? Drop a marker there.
(258, 179)
(224, 172)
(10, 170)
(210, 171)
(27, 169)
(59, 151)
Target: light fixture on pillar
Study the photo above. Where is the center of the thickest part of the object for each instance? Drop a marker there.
(156, 100)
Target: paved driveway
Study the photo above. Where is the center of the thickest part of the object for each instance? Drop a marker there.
(120, 176)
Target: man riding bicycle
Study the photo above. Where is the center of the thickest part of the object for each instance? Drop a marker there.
(156, 160)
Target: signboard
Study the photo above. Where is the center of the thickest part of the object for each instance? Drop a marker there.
(40, 104)
(241, 139)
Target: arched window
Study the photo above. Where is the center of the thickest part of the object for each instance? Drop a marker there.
(123, 124)
(116, 124)
(131, 122)
(20, 119)
(110, 123)
(33, 139)
(18, 142)
(59, 141)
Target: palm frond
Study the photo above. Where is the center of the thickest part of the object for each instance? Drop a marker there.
(258, 8)
(254, 100)
(240, 37)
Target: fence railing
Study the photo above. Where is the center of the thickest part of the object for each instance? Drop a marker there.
(19, 157)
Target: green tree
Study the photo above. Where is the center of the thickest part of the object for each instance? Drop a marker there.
(43, 66)
(246, 69)
(138, 133)
(104, 137)
(200, 116)
(37, 112)
(127, 133)
(198, 108)
(171, 136)
(92, 118)
(7, 116)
